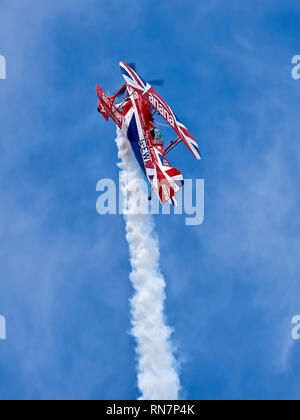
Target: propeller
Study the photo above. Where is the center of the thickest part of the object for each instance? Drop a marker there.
(155, 82)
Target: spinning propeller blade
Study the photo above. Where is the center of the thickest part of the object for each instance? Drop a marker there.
(155, 82)
(158, 82)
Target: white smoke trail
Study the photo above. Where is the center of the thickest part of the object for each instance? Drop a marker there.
(157, 373)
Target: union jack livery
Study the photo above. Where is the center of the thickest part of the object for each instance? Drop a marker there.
(136, 114)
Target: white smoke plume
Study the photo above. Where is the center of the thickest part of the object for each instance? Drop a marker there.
(157, 372)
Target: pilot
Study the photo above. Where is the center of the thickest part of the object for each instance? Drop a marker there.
(158, 137)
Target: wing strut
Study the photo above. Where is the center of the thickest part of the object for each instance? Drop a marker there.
(172, 146)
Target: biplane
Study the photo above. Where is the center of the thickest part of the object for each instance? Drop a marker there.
(136, 113)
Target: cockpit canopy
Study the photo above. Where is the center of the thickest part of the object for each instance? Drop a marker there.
(158, 136)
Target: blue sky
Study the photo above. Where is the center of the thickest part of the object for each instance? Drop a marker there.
(233, 282)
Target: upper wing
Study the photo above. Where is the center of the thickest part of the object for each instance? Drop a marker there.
(155, 100)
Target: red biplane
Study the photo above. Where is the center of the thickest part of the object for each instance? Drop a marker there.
(136, 113)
